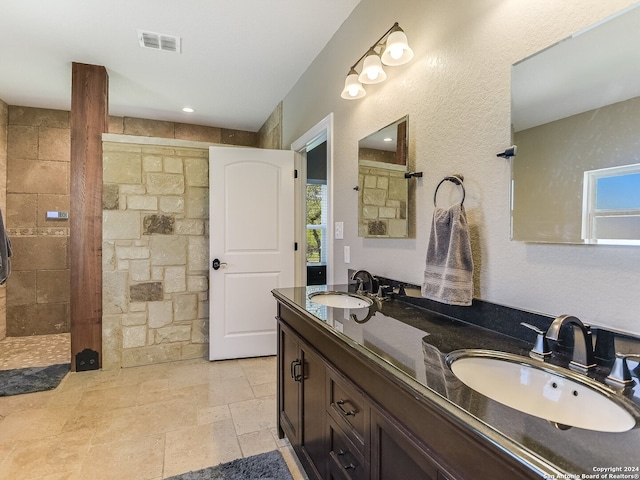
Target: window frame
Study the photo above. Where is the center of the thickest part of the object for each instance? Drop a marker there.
(590, 212)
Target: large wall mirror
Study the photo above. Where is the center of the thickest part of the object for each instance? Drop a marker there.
(383, 193)
(576, 122)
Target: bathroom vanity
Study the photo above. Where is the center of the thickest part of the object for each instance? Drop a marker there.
(374, 398)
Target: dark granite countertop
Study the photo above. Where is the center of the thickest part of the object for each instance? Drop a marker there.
(412, 341)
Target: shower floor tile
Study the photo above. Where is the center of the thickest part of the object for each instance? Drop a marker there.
(35, 351)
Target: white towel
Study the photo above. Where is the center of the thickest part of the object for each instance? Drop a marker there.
(448, 274)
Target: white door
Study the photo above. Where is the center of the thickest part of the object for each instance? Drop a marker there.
(251, 234)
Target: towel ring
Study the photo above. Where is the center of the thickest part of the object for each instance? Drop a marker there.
(457, 179)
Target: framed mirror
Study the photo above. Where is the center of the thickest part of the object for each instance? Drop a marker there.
(576, 122)
(383, 191)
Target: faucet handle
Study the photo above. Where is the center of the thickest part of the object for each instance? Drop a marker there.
(541, 348)
(532, 327)
(620, 376)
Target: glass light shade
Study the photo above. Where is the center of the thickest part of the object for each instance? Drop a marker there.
(397, 50)
(372, 71)
(352, 87)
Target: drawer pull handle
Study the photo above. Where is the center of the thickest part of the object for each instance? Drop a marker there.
(348, 466)
(346, 413)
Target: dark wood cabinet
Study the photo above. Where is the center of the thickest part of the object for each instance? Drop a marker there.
(350, 418)
(290, 385)
(301, 399)
(397, 454)
(316, 274)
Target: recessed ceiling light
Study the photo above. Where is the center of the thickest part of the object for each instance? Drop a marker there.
(388, 139)
(188, 110)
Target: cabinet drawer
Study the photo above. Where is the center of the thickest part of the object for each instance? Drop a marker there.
(347, 406)
(345, 459)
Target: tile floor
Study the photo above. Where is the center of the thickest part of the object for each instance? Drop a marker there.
(34, 351)
(143, 423)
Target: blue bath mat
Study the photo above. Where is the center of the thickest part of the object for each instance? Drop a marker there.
(265, 466)
(32, 379)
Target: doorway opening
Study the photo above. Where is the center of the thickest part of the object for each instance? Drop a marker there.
(314, 210)
(316, 238)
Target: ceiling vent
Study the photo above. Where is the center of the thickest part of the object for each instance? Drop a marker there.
(159, 41)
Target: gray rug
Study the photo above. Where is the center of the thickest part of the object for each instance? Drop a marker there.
(266, 466)
(32, 379)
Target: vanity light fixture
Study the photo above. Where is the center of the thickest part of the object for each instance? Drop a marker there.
(391, 49)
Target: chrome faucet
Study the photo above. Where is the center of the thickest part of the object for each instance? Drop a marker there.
(361, 289)
(583, 359)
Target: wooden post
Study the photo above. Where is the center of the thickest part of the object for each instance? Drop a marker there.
(89, 120)
(401, 144)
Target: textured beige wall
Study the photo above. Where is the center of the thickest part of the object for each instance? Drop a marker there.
(4, 123)
(456, 92)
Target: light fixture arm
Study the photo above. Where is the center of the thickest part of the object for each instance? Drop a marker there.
(378, 43)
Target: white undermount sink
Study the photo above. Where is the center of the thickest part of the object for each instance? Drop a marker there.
(559, 395)
(340, 299)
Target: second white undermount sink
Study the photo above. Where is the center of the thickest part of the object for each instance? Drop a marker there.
(340, 299)
(565, 398)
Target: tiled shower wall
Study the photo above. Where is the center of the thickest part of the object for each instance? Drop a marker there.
(155, 254)
(38, 181)
(4, 123)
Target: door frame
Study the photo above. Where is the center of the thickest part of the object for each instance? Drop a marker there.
(321, 131)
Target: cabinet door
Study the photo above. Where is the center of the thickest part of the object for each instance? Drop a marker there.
(395, 454)
(290, 381)
(313, 411)
(301, 397)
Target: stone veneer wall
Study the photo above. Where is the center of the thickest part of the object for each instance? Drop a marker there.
(181, 131)
(4, 124)
(270, 134)
(36, 154)
(382, 201)
(155, 254)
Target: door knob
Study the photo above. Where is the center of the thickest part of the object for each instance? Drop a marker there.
(216, 264)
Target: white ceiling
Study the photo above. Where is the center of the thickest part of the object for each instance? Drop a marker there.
(239, 57)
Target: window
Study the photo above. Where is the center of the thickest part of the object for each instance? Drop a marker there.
(611, 205)
(316, 223)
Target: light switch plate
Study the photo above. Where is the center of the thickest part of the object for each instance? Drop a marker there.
(339, 230)
(347, 254)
